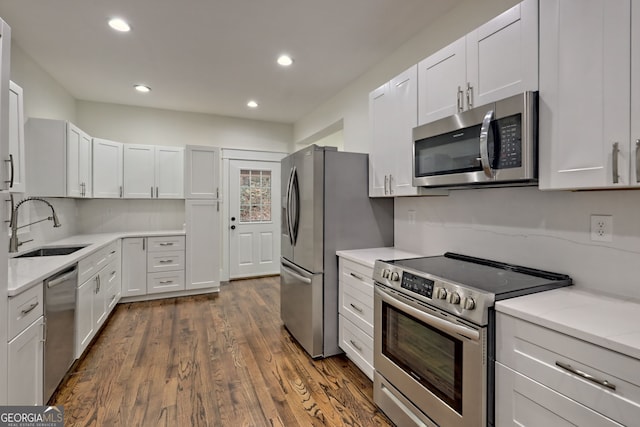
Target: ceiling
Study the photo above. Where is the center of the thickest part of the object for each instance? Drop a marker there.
(212, 56)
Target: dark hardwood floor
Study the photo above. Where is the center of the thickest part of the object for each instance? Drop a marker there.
(216, 360)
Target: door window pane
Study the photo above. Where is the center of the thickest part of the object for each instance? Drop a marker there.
(255, 195)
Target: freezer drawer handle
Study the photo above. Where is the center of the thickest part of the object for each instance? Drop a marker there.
(30, 308)
(586, 376)
(296, 275)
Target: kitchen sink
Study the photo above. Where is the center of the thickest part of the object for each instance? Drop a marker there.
(51, 251)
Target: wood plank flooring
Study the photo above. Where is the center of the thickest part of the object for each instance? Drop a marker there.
(216, 360)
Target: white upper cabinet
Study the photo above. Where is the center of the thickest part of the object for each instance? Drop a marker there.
(107, 169)
(152, 172)
(635, 93)
(442, 82)
(202, 172)
(393, 111)
(58, 157)
(497, 60)
(169, 172)
(16, 170)
(585, 84)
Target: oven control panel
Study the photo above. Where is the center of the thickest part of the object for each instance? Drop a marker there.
(466, 302)
(417, 284)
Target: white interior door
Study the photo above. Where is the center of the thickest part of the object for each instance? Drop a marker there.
(254, 218)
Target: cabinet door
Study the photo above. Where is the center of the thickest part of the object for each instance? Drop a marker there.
(521, 401)
(442, 81)
(74, 142)
(169, 172)
(134, 267)
(84, 165)
(84, 316)
(139, 171)
(635, 94)
(584, 93)
(26, 374)
(502, 55)
(107, 168)
(202, 173)
(203, 244)
(100, 283)
(404, 98)
(380, 162)
(16, 140)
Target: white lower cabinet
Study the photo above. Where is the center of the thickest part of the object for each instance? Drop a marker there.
(25, 349)
(203, 244)
(153, 265)
(355, 307)
(26, 376)
(546, 378)
(97, 294)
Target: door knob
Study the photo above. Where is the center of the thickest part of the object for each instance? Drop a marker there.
(233, 218)
(233, 227)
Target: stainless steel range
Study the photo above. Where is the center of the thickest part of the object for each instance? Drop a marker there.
(434, 335)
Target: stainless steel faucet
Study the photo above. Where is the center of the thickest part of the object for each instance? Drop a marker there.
(13, 240)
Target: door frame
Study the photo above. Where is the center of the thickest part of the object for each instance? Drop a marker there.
(227, 155)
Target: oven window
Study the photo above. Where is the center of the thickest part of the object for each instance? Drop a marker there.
(431, 357)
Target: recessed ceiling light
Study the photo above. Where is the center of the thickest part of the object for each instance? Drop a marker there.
(119, 24)
(285, 60)
(142, 88)
(252, 104)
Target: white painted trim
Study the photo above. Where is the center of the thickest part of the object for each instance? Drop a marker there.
(264, 156)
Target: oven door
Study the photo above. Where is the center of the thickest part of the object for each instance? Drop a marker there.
(431, 358)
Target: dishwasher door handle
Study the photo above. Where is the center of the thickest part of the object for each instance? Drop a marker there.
(58, 280)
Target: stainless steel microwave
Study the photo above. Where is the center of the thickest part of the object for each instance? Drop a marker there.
(491, 145)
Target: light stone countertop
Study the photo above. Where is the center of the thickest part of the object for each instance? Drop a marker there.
(603, 320)
(24, 273)
(368, 257)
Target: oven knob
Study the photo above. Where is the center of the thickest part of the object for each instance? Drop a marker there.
(385, 273)
(395, 277)
(468, 303)
(441, 293)
(453, 298)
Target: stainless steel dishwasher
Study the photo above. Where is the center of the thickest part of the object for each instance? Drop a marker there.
(59, 313)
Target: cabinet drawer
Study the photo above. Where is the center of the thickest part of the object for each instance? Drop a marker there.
(355, 271)
(113, 286)
(356, 304)
(168, 243)
(165, 282)
(91, 264)
(165, 261)
(356, 344)
(24, 309)
(535, 352)
(524, 402)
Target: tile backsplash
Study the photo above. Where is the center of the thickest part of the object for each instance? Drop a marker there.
(106, 215)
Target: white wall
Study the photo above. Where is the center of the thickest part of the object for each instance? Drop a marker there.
(107, 216)
(526, 226)
(138, 125)
(351, 104)
(43, 96)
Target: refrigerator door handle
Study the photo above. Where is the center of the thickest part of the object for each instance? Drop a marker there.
(288, 206)
(295, 193)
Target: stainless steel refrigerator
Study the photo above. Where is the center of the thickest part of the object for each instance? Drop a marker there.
(325, 208)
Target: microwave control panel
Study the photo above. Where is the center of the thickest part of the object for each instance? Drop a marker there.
(509, 132)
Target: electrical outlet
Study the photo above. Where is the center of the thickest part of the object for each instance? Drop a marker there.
(602, 228)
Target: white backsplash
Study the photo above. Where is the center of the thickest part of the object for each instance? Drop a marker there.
(526, 226)
(107, 215)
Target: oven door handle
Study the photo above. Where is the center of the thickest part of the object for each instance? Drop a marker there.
(441, 324)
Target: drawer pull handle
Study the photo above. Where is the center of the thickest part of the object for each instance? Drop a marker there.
(356, 276)
(164, 282)
(113, 297)
(355, 345)
(112, 252)
(113, 273)
(586, 376)
(356, 308)
(165, 261)
(166, 244)
(30, 308)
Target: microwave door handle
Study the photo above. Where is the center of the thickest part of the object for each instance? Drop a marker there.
(484, 143)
